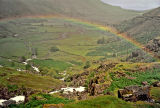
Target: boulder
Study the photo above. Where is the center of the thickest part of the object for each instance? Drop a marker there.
(144, 83)
(96, 88)
(156, 84)
(154, 46)
(135, 93)
(7, 103)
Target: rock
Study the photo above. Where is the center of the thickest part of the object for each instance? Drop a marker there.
(7, 103)
(3, 74)
(144, 83)
(1, 102)
(94, 88)
(135, 93)
(105, 66)
(156, 84)
(18, 99)
(135, 54)
(154, 46)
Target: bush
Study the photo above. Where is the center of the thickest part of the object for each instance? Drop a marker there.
(12, 88)
(101, 41)
(54, 49)
(87, 65)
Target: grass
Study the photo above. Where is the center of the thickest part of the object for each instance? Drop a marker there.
(56, 65)
(92, 10)
(150, 76)
(155, 93)
(38, 100)
(75, 41)
(13, 77)
(101, 102)
(141, 28)
(5, 62)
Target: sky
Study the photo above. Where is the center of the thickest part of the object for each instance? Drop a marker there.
(134, 4)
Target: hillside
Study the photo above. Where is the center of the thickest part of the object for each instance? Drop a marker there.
(93, 10)
(64, 54)
(143, 28)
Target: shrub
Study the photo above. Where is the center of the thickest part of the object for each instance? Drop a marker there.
(54, 49)
(87, 65)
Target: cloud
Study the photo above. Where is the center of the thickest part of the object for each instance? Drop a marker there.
(134, 4)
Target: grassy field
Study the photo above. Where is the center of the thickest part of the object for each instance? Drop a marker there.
(77, 43)
(155, 93)
(38, 100)
(57, 65)
(13, 77)
(149, 76)
(135, 74)
(101, 102)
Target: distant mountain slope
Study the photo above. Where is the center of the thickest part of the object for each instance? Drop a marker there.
(143, 28)
(93, 10)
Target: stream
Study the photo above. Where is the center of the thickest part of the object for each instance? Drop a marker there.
(14, 100)
(35, 68)
(69, 89)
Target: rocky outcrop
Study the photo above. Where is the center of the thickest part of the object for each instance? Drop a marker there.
(138, 56)
(75, 95)
(6, 103)
(105, 67)
(97, 84)
(135, 93)
(6, 93)
(95, 87)
(154, 46)
(156, 84)
(78, 79)
(14, 100)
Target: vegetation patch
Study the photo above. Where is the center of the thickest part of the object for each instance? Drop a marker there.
(11, 78)
(101, 102)
(138, 77)
(49, 63)
(38, 100)
(155, 93)
(54, 49)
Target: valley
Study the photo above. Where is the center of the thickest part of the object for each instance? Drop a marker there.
(74, 54)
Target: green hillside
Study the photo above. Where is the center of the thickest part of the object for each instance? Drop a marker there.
(143, 28)
(58, 40)
(93, 10)
(75, 60)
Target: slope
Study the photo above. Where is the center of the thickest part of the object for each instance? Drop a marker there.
(143, 28)
(93, 10)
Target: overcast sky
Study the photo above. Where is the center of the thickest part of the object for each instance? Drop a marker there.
(134, 4)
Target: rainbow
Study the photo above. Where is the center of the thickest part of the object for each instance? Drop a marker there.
(98, 26)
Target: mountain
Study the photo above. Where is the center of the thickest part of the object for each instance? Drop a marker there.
(93, 10)
(143, 28)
